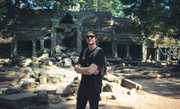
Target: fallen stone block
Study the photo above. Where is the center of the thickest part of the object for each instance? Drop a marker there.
(3, 90)
(131, 84)
(105, 96)
(50, 88)
(17, 101)
(13, 91)
(43, 79)
(42, 97)
(69, 91)
(107, 88)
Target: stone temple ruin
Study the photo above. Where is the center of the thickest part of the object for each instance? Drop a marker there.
(37, 32)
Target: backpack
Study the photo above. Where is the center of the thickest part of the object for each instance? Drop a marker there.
(94, 53)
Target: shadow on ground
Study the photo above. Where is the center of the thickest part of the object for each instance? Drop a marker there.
(102, 106)
(164, 87)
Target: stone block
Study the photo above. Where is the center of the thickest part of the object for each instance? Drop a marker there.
(42, 97)
(2, 91)
(50, 88)
(17, 101)
(130, 84)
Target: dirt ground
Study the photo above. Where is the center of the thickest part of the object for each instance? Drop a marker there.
(159, 93)
(161, 97)
(137, 100)
(163, 93)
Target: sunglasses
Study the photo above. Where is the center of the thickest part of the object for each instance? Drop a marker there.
(90, 36)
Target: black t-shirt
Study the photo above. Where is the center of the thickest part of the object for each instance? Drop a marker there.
(92, 83)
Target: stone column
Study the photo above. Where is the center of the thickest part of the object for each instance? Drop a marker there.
(114, 49)
(128, 52)
(15, 48)
(178, 52)
(42, 44)
(144, 52)
(168, 55)
(53, 41)
(51, 49)
(12, 48)
(79, 38)
(55, 23)
(157, 54)
(33, 48)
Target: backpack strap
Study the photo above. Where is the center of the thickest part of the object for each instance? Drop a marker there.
(94, 52)
(103, 69)
(84, 54)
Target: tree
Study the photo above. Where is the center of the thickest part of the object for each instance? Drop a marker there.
(113, 6)
(175, 14)
(5, 9)
(155, 16)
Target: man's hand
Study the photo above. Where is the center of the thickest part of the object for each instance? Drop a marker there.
(76, 68)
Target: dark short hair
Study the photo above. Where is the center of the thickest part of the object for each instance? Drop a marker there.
(91, 33)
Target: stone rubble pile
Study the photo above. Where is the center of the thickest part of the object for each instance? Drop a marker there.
(53, 80)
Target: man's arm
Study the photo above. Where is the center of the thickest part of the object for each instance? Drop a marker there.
(92, 69)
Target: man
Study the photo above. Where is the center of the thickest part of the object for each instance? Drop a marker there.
(91, 67)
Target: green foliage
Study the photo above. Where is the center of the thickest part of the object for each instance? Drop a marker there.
(167, 41)
(114, 6)
(3, 11)
(155, 15)
(151, 16)
(43, 2)
(3, 8)
(82, 2)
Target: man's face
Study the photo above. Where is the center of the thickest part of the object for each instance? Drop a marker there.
(91, 40)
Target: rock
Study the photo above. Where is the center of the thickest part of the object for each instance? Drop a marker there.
(2, 91)
(13, 91)
(48, 87)
(105, 96)
(43, 57)
(42, 97)
(109, 69)
(17, 101)
(43, 79)
(74, 60)
(26, 62)
(113, 97)
(60, 88)
(55, 79)
(58, 50)
(24, 75)
(17, 60)
(50, 63)
(55, 99)
(131, 92)
(112, 78)
(69, 91)
(107, 88)
(29, 86)
(130, 84)
(67, 62)
(70, 98)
